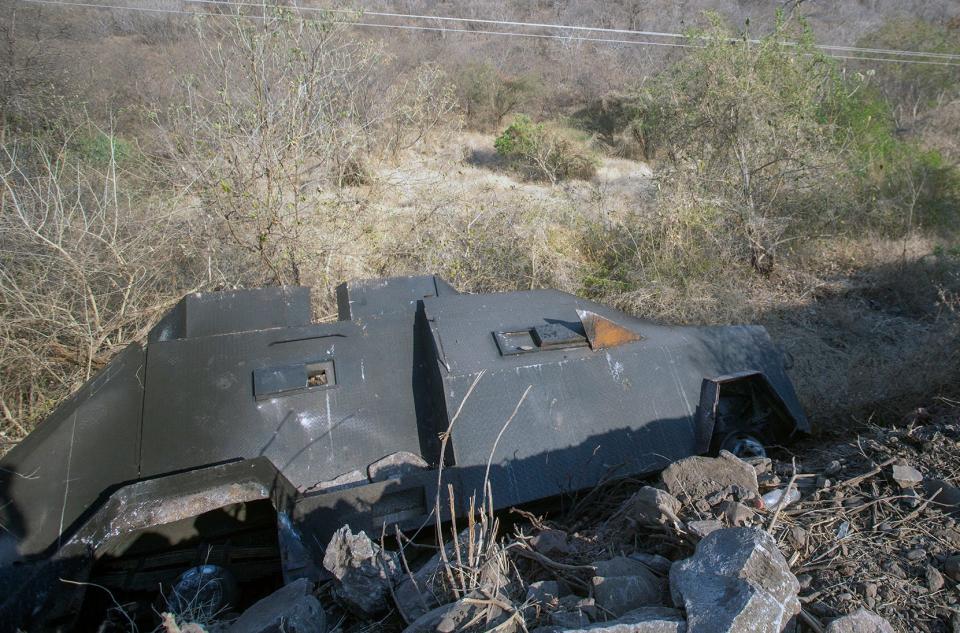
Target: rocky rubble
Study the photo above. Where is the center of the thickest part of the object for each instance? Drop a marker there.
(845, 537)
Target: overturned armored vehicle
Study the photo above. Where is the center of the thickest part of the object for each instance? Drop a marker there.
(244, 435)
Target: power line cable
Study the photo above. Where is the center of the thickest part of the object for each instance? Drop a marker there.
(408, 27)
(413, 16)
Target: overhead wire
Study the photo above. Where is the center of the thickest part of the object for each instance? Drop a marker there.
(566, 27)
(409, 27)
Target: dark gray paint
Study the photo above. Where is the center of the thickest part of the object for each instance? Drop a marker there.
(221, 386)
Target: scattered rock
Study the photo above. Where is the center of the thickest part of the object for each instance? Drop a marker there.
(619, 566)
(551, 543)
(655, 562)
(952, 567)
(916, 554)
(833, 468)
(291, 609)
(906, 476)
(935, 579)
(362, 572)
(947, 495)
(570, 620)
(574, 612)
(652, 506)
(622, 584)
(701, 528)
(737, 580)
(797, 537)
(762, 465)
(546, 593)
(698, 477)
(452, 617)
(736, 514)
(644, 620)
(860, 621)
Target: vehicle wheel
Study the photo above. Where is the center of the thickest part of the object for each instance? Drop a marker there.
(743, 445)
(202, 593)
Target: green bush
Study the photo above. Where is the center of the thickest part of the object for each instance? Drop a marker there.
(100, 148)
(545, 151)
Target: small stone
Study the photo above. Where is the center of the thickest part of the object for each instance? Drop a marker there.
(894, 569)
(910, 498)
(569, 620)
(652, 506)
(906, 476)
(546, 593)
(769, 480)
(736, 514)
(291, 608)
(916, 554)
(860, 621)
(845, 597)
(362, 572)
(762, 465)
(655, 562)
(622, 594)
(951, 566)
(935, 579)
(643, 620)
(551, 543)
(833, 468)
(701, 528)
(587, 606)
(947, 495)
(451, 617)
(702, 506)
(798, 537)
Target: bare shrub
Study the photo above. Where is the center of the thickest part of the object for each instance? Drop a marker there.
(84, 271)
(417, 105)
(499, 247)
(281, 110)
(28, 71)
(489, 95)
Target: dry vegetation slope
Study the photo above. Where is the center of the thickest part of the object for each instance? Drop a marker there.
(761, 183)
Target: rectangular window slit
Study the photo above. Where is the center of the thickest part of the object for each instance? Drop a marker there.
(320, 374)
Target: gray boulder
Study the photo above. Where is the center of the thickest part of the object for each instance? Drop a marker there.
(737, 580)
(291, 609)
(698, 477)
(654, 562)
(644, 620)
(860, 621)
(546, 593)
(622, 585)
(362, 572)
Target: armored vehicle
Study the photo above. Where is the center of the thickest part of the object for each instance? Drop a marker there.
(243, 434)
